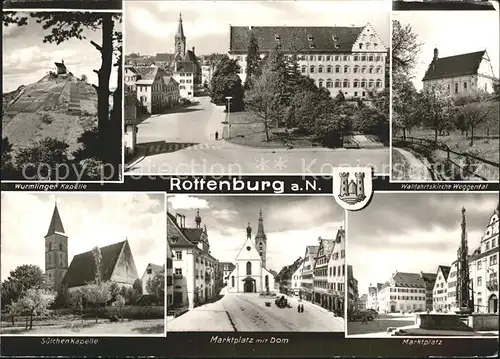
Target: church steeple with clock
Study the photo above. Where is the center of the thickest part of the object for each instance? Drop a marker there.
(56, 251)
(180, 41)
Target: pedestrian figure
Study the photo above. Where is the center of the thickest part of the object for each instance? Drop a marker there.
(302, 308)
(298, 309)
(365, 321)
(216, 135)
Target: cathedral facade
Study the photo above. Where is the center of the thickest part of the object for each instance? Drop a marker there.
(250, 274)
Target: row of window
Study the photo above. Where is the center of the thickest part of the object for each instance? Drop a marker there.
(342, 70)
(336, 58)
(493, 261)
(406, 290)
(336, 254)
(347, 83)
(188, 81)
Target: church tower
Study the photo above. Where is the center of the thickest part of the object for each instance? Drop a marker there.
(180, 41)
(56, 251)
(261, 240)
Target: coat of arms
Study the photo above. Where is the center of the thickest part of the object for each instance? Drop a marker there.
(352, 187)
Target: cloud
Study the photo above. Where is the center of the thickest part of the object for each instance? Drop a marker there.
(89, 219)
(187, 202)
(224, 214)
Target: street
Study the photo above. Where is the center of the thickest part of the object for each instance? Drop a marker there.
(380, 324)
(247, 312)
(184, 142)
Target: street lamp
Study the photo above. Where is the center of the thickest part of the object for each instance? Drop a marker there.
(228, 98)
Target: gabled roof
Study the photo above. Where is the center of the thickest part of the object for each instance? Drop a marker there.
(312, 249)
(60, 64)
(186, 66)
(82, 269)
(55, 225)
(182, 241)
(169, 80)
(230, 265)
(155, 267)
(429, 279)
(452, 66)
(408, 280)
(316, 39)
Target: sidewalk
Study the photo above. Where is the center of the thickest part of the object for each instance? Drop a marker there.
(140, 153)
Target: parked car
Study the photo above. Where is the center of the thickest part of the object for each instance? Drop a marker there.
(359, 315)
(373, 312)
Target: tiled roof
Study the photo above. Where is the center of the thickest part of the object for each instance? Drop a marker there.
(164, 57)
(408, 280)
(169, 80)
(183, 241)
(315, 39)
(60, 64)
(452, 66)
(146, 72)
(55, 223)
(186, 66)
(328, 246)
(193, 234)
(312, 249)
(82, 268)
(155, 267)
(429, 279)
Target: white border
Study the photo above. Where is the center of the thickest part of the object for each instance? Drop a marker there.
(76, 335)
(344, 221)
(363, 336)
(121, 165)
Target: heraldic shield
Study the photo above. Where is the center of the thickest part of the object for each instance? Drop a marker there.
(352, 187)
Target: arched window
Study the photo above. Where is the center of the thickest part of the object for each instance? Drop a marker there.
(320, 83)
(249, 268)
(370, 70)
(356, 83)
(379, 83)
(356, 69)
(320, 68)
(346, 83)
(378, 69)
(370, 83)
(338, 69)
(329, 83)
(363, 83)
(370, 58)
(367, 45)
(346, 69)
(329, 69)
(232, 281)
(375, 45)
(356, 58)
(338, 84)
(363, 69)
(311, 69)
(304, 69)
(360, 46)
(363, 58)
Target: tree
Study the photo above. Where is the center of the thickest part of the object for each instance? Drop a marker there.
(253, 61)
(42, 159)
(97, 295)
(225, 82)
(156, 286)
(404, 97)
(97, 256)
(84, 78)
(14, 309)
(62, 297)
(405, 48)
(36, 302)
(114, 290)
(6, 161)
(137, 286)
(120, 302)
(471, 113)
(262, 101)
(436, 109)
(21, 279)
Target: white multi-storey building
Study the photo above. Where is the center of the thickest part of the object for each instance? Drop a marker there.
(404, 292)
(297, 279)
(308, 272)
(440, 290)
(193, 266)
(350, 60)
(336, 272)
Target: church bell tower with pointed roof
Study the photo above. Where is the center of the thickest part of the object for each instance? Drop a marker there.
(261, 240)
(180, 41)
(56, 251)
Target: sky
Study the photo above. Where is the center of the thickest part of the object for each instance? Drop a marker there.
(453, 33)
(290, 223)
(26, 59)
(413, 232)
(151, 26)
(89, 220)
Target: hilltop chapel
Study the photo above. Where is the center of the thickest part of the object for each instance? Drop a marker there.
(250, 274)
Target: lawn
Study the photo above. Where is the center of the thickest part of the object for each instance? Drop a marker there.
(74, 325)
(249, 132)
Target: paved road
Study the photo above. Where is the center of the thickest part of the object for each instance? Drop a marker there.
(184, 143)
(380, 324)
(247, 312)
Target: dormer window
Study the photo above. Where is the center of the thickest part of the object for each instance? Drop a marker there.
(277, 37)
(336, 46)
(312, 46)
(309, 38)
(174, 239)
(335, 38)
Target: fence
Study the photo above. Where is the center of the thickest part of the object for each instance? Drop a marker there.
(449, 152)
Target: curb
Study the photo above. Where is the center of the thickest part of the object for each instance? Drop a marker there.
(129, 166)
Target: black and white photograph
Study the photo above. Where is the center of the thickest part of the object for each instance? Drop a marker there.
(63, 4)
(444, 5)
(256, 264)
(256, 87)
(445, 105)
(62, 96)
(84, 264)
(427, 265)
